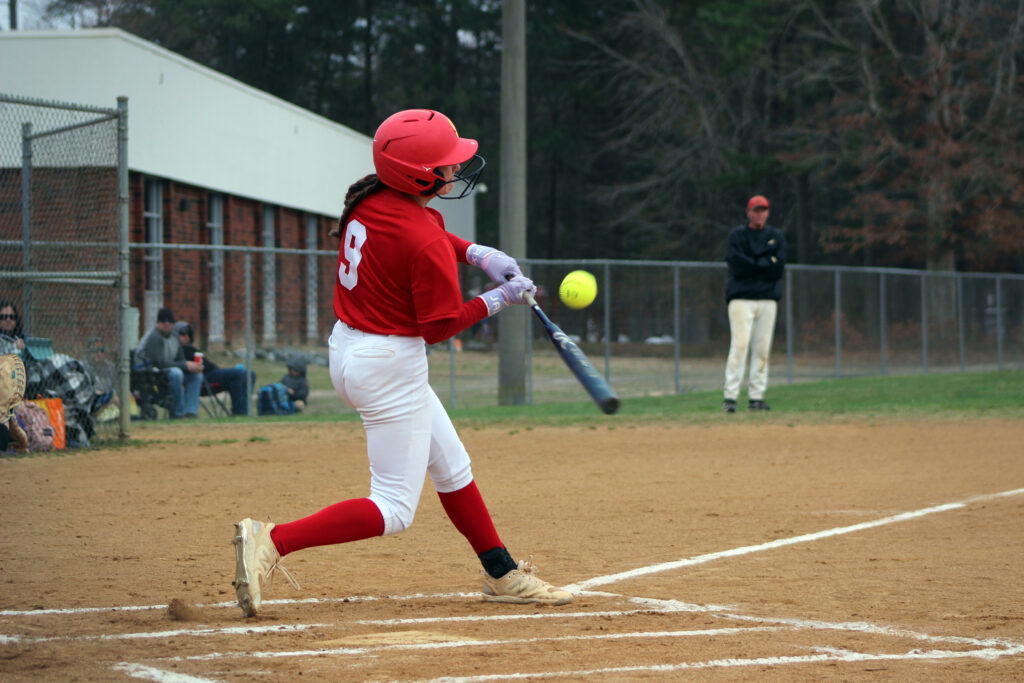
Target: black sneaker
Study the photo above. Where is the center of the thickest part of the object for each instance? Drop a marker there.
(729, 405)
(759, 405)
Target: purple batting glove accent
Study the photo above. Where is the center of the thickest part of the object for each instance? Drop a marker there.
(498, 265)
(508, 294)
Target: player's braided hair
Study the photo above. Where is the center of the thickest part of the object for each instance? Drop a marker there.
(357, 192)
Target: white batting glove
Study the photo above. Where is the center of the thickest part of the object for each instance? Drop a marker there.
(508, 294)
(498, 265)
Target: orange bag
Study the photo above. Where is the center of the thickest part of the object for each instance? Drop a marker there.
(54, 408)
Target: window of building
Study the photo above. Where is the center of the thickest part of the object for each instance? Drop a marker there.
(269, 277)
(215, 224)
(153, 214)
(312, 333)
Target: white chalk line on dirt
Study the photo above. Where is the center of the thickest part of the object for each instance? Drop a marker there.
(233, 604)
(830, 656)
(453, 644)
(649, 606)
(1003, 645)
(149, 673)
(198, 632)
(782, 542)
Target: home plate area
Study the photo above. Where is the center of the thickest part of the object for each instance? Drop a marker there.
(457, 637)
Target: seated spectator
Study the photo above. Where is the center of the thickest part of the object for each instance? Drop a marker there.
(10, 327)
(296, 383)
(231, 378)
(105, 379)
(163, 349)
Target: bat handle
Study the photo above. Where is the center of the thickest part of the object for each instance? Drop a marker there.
(527, 297)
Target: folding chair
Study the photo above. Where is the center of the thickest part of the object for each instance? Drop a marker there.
(149, 387)
(211, 390)
(39, 347)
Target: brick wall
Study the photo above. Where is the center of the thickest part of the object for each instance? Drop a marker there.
(65, 214)
(187, 273)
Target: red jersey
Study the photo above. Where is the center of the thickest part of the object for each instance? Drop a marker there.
(397, 271)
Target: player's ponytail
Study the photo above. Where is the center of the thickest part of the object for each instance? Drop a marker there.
(357, 192)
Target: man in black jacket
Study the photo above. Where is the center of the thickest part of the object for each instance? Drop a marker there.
(233, 379)
(757, 259)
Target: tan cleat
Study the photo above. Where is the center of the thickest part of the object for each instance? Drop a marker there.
(522, 587)
(256, 559)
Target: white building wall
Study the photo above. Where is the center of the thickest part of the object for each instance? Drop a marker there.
(192, 124)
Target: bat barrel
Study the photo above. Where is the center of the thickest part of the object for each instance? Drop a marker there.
(609, 405)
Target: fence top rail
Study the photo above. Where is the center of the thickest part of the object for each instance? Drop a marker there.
(233, 248)
(48, 274)
(35, 102)
(716, 265)
(789, 266)
(68, 129)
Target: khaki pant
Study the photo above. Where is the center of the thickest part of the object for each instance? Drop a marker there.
(752, 323)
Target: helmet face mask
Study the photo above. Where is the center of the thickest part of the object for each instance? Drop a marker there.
(411, 145)
(469, 175)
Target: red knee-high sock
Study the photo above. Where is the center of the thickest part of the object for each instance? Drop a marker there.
(468, 513)
(349, 520)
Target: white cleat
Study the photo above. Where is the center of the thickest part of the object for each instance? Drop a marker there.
(256, 559)
(520, 586)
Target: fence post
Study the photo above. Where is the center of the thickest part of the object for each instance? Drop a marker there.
(924, 323)
(960, 320)
(528, 330)
(881, 321)
(839, 315)
(451, 373)
(248, 326)
(676, 327)
(789, 326)
(26, 221)
(999, 323)
(123, 268)
(607, 322)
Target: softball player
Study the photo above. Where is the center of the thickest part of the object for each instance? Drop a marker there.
(397, 287)
(757, 260)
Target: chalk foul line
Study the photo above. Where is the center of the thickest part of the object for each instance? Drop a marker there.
(783, 542)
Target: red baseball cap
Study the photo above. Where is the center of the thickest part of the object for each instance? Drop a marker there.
(756, 201)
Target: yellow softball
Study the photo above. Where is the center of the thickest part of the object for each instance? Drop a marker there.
(578, 289)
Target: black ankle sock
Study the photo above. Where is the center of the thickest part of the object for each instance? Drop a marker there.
(497, 562)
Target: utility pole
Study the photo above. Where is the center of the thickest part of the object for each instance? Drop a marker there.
(513, 322)
(12, 6)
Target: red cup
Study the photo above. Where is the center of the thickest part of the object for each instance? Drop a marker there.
(199, 357)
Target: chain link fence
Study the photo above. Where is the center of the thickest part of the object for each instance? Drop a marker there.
(62, 190)
(662, 327)
(657, 327)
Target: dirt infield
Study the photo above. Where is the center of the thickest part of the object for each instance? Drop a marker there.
(721, 551)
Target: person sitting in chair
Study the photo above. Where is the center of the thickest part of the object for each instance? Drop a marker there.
(296, 383)
(163, 349)
(10, 328)
(104, 375)
(233, 379)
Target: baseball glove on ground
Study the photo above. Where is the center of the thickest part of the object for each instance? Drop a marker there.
(12, 390)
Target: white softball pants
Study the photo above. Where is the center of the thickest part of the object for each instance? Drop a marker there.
(752, 323)
(408, 431)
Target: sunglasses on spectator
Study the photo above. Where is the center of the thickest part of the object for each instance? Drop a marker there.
(8, 316)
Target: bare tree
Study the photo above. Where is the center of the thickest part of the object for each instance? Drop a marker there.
(922, 126)
(691, 139)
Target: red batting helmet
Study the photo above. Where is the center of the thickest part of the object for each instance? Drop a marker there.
(410, 145)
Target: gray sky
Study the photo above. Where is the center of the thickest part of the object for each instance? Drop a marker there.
(29, 15)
